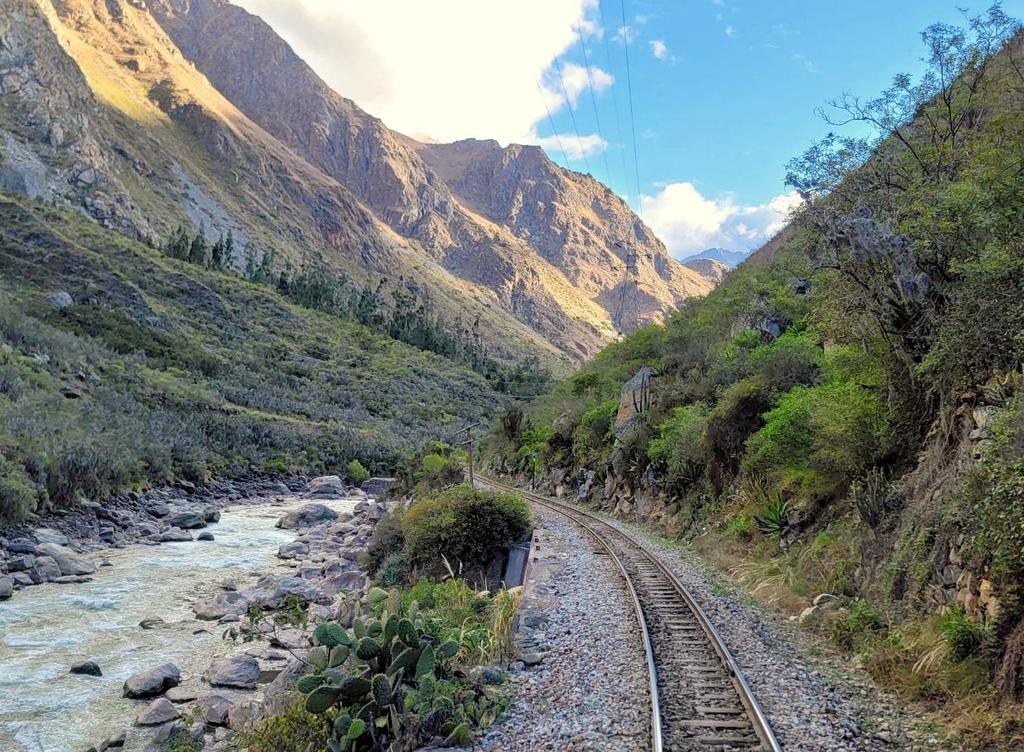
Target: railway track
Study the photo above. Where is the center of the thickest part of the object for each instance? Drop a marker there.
(700, 700)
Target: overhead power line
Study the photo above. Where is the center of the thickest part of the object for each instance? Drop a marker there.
(593, 96)
(572, 115)
(632, 118)
(551, 122)
(615, 103)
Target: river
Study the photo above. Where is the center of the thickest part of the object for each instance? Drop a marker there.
(47, 628)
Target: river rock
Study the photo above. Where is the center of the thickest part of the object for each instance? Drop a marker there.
(206, 537)
(152, 622)
(86, 668)
(21, 546)
(344, 582)
(47, 535)
(326, 487)
(114, 742)
(292, 550)
(45, 570)
(21, 563)
(211, 514)
(290, 639)
(180, 694)
(271, 591)
(307, 516)
(376, 511)
(153, 682)
(69, 562)
(186, 520)
(23, 579)
(242, 715)
(215, 710)
(221, 605)
(237, 672)
(6, 588)
(156, 507)
(158, 712)
(175, 535)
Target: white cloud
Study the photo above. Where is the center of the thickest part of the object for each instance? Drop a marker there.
(689, 223)
(806, 63)
(573, 148)
(730, 31)
(444, 71)
(627, 33)
(576, 82)
(659, 48)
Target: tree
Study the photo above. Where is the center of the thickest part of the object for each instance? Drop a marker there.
(199, 250)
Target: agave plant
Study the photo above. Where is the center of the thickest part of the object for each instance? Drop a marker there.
(774, 518)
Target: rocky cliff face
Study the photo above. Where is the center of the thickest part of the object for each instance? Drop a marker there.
(573, 222)
(150, 115)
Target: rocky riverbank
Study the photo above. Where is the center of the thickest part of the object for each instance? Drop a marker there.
(61, 546)
(239, 690)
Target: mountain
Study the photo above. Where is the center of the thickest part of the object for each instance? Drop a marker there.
(731, 259)
(708, 268)
(147, 116)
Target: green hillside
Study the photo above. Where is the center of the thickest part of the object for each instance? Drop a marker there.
(844, 414)
(160, 369)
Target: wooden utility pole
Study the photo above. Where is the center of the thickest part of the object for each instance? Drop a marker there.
(468, 430)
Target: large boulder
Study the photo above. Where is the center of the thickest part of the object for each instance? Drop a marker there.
(326, 487)
(292, 550)
(236, 672)
(344, 582)
(20, 546)
(221, 605)
(153, 682)
(271, 592)
(158, 712)
(48, 535)
(215, 710)
(156, 507)
(86, 668)
(307, 516)
(6, 588)
(69, 562)
(21, 563)
(186, 520)
(46, 569)
(175, 535)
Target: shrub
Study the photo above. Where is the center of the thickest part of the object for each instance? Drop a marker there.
(393, 570)
(437, 471)
(860, 623)
(357, 474)
(819, 437)
(594, 429)
(740, 527)
(387, 539)
(295, 730)
(962, 636)
(467, 526)
(677, 451)
(18, 494)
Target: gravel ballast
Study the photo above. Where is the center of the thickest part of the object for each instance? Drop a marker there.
(809, 711)
(590, 691)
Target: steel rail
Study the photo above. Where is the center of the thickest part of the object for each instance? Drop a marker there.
(755, 714)
(657, 744)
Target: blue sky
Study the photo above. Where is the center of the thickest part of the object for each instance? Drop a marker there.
(724, 92)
